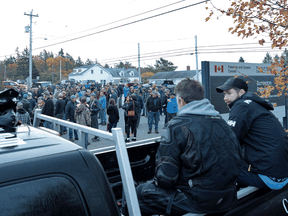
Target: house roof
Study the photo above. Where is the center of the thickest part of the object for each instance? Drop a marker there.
(85, 67)
(115, 72)
(126, 72)
(174, 74)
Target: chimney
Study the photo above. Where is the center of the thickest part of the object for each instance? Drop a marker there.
(188, 68)
(126, 66)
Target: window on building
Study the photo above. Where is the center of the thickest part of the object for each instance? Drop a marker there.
(101, 71)
(92, 71)
(131, 73)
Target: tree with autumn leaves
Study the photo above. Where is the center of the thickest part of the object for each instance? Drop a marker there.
(260, 19)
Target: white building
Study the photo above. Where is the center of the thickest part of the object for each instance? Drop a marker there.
(175, 76)
(104, 75)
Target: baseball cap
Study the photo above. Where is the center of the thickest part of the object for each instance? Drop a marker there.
(29, 94)
(25, 96)
(19, 104)
(92, 94)
(72, 97)
(233, 83)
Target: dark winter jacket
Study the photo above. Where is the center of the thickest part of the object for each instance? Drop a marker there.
(199, 155)
(60, 107)
(150, 104)
(261, 135)
(32, 102)
(48, 108)
(113, 113)
(95, 107)
(114, 96)
(27, 106)
(136, 108)
(140, 101)
(70, 110)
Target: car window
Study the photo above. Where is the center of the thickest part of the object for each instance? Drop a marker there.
(47, 196)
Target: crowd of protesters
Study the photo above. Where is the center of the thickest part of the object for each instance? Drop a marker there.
(85, 104)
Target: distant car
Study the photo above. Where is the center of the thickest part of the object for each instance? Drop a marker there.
(43, 83)
(12, 84)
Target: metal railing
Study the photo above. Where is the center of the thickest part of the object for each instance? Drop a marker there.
(120, 147)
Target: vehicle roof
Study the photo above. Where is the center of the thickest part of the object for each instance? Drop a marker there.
(43, 82)
(31, 142)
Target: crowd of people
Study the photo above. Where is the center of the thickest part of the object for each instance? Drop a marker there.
(202, 160)
(86, 104)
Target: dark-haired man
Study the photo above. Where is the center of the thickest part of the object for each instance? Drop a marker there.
(197, 162)
(264, 142)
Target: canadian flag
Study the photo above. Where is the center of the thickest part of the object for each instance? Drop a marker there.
(218, 68)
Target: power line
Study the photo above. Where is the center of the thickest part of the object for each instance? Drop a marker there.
(122, 19)
(126, 24)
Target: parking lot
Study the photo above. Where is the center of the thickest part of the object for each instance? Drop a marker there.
(141, 131)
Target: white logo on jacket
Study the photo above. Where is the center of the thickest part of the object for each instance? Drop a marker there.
(231, 123)
(247, 101)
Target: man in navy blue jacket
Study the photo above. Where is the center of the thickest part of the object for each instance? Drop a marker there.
(264, 141)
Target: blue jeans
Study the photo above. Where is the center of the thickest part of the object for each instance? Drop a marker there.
(102, 115)
(144, 110)
(86, 140)
(247, 178)
(47, 124)
(112, 125)
(153, 117)
(64, 128)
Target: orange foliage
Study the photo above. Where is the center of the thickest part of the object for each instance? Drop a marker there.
(252, 18)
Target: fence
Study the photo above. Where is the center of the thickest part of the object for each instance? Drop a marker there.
(120, 147)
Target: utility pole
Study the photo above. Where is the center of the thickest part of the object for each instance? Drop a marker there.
(60, 72)
(30, 52)
(52, 75)
(196, 53)
(139, 63)
(4, 72)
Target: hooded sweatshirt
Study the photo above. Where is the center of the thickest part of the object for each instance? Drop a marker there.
(199, 107)
(261, 134)
(82, 115)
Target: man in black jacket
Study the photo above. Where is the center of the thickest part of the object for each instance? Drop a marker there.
(69, 114)
(60, 110)
(264, 142)
(94, 108)
(48, 109)
(197, 161)
(153, 106)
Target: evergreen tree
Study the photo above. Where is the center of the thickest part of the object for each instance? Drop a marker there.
(285, 57)
(89, 62)
(164, 65)
(106, 66)
(267, 59)
(120, 65)
(61, 53)
(79, 62)
(277, 58)
(241, 59)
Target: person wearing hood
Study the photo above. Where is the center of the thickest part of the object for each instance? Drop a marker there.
(264, 141)
(83, 117)
(26, 104)
(197, 162)
(22, 116)
(113, 113)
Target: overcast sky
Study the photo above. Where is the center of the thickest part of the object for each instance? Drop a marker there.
(171, 36)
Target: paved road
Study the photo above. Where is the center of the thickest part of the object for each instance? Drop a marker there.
(141, 131)
(143, 128)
